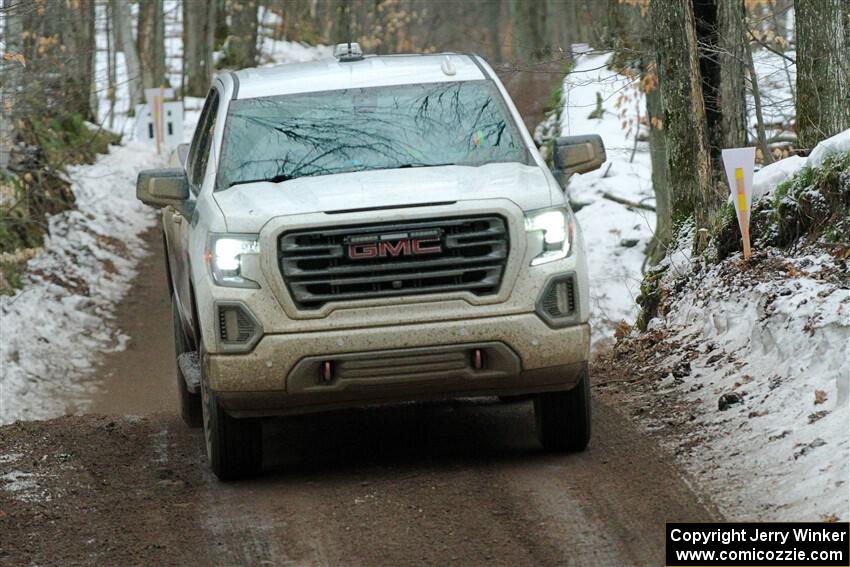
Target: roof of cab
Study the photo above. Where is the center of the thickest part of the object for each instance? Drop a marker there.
(371, 71)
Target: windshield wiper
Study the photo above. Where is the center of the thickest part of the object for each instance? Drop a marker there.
(275, 179)
(406, 165)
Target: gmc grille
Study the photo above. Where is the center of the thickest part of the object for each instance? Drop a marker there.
(317, 269)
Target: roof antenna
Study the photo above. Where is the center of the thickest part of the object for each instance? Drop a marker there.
(350, 50)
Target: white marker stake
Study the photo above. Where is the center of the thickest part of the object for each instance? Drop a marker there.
(739, 164)
(156, 98)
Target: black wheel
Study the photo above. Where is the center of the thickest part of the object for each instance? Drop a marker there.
(234, 445)
(563, 418)
(190, 404)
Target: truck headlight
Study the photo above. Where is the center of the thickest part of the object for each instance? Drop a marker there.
(224, 256)
(551, 232)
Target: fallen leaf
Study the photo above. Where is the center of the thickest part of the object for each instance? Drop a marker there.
(622, 330)
(820, 397)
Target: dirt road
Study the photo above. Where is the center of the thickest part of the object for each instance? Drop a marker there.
(445, 483)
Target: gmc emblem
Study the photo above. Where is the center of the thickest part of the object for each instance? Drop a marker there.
(400, 244)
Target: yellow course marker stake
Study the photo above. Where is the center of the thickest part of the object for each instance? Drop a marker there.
(743, 214)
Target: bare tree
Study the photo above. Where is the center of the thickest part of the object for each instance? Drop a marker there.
(242, 41)
(77, 32)
(528, 30)
(11, 72)
(731, 17)
(111, 71)
(199, 19)
(151, 42)
(823, 107)
(684, 113)
(658, 157)
(123, 25)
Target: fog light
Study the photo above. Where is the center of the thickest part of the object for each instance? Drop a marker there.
(237, 327)
(557, 303)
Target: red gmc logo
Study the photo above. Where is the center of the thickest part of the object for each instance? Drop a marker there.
(393, 245)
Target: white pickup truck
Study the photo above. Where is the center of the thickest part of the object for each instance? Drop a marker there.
(369, 230)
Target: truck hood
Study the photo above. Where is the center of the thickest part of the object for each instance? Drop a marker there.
(248, 207)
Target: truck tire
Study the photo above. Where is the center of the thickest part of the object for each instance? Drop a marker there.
(190, 404)
(563, 418)
(234, 445)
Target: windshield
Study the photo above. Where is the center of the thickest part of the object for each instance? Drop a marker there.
(284, 137)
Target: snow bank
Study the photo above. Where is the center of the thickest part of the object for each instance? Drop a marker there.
(615, 236)
(767, 178)
(770, 176)
(771, 341)
(780, 340)
(51, 329)
(840, 143)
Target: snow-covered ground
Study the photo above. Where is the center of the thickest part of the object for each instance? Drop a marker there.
(771, 341)
(781, 347)
(54, 329)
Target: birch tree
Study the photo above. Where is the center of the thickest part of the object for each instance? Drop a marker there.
(123, 26)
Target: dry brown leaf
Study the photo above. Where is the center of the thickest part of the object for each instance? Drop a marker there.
(622, 330)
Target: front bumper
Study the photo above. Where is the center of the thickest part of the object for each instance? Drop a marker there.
(389, 364)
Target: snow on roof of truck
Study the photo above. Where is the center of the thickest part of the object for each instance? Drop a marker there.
(371, 71)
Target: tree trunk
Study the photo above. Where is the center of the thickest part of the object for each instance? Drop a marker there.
(733, 69)
(822, 75)
(527, 37)
(767, 157)
(242, 41)
(78, 37)
(339, 22)
(151, 42)
(688, 160)
(198, 38)
(706, 25)
(494, 30)
(124, 39)
(12, 72)
(660, 177)
(111, 76)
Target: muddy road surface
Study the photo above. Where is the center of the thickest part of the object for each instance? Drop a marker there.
(461, 483)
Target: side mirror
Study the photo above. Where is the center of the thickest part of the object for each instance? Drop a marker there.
(163, 188)
(183, 153)
(577, 154)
